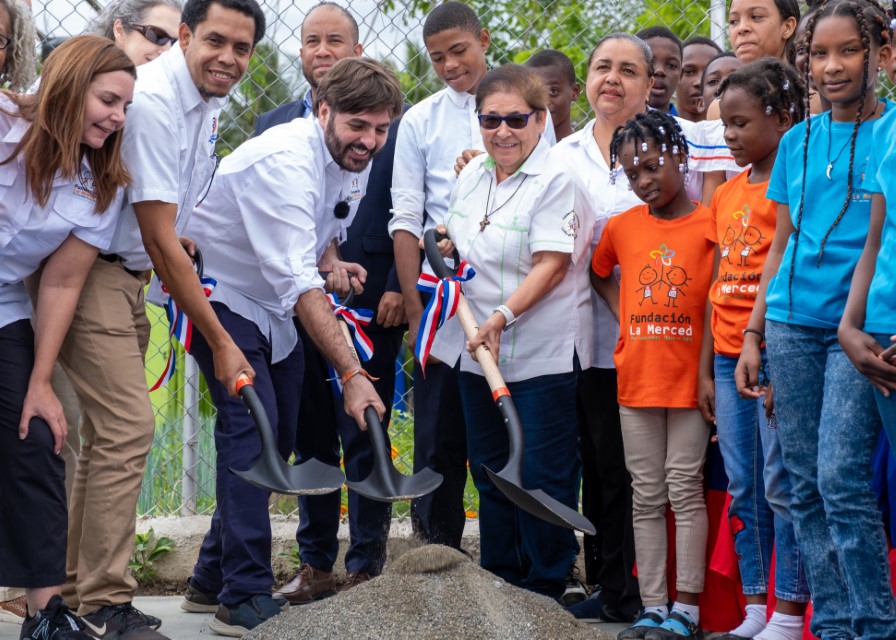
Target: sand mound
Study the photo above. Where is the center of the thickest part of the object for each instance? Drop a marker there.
(432, 593)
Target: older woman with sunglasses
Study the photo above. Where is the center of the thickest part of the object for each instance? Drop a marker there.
(524, 225)
(143, 28)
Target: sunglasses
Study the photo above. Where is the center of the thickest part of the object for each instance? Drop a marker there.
(156, 35)
(491, 121)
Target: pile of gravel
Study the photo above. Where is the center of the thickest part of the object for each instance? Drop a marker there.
(432, 593)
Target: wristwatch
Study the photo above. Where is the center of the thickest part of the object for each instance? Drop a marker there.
(505, 311)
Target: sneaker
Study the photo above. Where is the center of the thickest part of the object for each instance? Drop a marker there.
(593, 609)
(574, 591)
(647, 621)
(13, 610)
(55, 622)
(198, 601)
(353, 579)
(122, 621)
(677, 625)
(239, 620)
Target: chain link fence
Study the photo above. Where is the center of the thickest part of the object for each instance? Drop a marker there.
(181, 469)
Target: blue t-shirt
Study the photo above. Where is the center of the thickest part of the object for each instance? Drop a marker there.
(820, 288)
(880, 314)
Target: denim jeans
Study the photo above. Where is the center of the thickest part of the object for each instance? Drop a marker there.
(828, 426)
(760, 490)
(524, 550)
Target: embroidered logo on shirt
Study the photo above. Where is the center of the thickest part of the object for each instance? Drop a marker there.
(571, 224)
(354, 191)
(85, 188)
(212, 139)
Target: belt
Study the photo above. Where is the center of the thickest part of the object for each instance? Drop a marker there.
(114, 257)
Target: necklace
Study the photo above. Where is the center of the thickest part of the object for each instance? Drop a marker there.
(488, 214)
(830, 167)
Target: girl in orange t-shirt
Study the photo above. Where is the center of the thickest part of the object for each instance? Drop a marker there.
(760, 103)
(666, 264)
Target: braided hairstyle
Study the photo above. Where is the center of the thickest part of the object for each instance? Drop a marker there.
(873, 22)
(661, 128)
(772, 83)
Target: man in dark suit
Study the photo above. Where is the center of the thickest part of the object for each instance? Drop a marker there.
(329, 33)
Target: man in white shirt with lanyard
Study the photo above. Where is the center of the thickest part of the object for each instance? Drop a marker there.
(169, 149)
(267, 230)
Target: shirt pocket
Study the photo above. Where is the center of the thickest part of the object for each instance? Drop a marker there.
(78, 212)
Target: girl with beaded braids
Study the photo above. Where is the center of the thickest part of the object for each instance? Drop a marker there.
(17, 39)
(660, 301)
(759, 104)
(827, 422)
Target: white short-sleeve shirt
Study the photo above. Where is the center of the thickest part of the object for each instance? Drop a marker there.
(267, 220)
(169, 148)
(540, 208)
(29, 232)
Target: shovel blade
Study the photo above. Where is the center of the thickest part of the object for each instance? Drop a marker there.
(386, 484)
(308, 478)
(540, 504)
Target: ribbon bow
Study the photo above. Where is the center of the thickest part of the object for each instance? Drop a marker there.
(180, 328)
(441, 307)
(356, 319)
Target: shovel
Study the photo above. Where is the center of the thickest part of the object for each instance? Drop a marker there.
(509, 480)
(272, 472)
(385, 483)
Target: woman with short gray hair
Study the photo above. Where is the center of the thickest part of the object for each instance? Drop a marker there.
(143, 28)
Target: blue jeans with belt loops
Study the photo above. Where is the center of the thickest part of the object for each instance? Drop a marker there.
(828, 425)
(760, 489)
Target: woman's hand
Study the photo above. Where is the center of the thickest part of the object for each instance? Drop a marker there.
(489, 336)
(871, 360)
(464, 159)
(746, 373)
(446, 247)
(41, 402)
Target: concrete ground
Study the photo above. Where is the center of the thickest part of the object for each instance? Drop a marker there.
(179, 625)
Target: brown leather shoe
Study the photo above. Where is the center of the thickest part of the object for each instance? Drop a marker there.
(310, 584)
(353, 579)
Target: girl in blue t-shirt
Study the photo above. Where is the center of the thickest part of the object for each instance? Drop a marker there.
(827, 421)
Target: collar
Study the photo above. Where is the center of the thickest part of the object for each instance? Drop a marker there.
(17, 129)
(534, 165)
(186, 90)
(462, 100)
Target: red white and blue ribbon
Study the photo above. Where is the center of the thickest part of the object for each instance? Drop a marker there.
(356, 319)
(180, 328)
(442, 306)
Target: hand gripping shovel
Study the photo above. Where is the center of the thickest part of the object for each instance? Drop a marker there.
(509, 479)
(385, 483)
(272, 472)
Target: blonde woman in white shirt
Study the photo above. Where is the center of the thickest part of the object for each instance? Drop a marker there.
(524, 224)
(61, 177)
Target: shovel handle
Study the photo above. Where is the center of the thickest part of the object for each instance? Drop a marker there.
(247, 392)
(197, 260)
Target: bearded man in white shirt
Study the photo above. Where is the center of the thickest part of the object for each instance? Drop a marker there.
(169, 150)
(267, 229)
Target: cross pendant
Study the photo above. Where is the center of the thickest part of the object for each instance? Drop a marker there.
(483, 223)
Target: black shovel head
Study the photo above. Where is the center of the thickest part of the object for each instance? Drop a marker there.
(385, 483)
(540, 504)
(312, 477)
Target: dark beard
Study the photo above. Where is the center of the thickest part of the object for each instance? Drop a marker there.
(206, 94)
(339, 151)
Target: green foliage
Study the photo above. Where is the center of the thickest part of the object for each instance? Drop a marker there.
(295, 560)
(685, 18)
(148, 549)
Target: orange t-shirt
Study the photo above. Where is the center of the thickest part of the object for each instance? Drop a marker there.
(666, 270)
(743, 225)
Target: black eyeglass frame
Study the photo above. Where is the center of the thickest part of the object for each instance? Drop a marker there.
(4, 42)
(497, 120)
(159, 36)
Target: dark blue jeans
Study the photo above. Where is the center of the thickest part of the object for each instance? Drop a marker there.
(323, 423)
(524, 550)
(886, 405)
(828, 426)
(235, 558)
(760, 489)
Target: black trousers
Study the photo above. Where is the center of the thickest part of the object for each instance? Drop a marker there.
(606, 493)
(33, 510)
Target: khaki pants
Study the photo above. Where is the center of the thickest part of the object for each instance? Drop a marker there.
(103, 355)
(664, 451)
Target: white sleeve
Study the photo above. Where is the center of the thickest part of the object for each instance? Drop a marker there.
(151, 149)
(100, 236)
(554, 224)
(280, 225)
(408, 178)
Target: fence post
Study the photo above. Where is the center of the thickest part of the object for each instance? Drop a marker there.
(190, 437)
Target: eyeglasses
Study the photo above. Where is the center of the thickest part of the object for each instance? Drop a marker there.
(4, 42)
(156, 35)
(492, 121)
